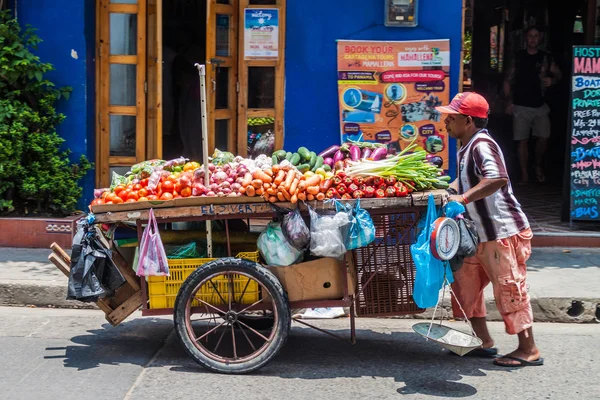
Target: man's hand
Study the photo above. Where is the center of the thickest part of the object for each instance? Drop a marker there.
(457, 198)
(547, 82)
(509, 108)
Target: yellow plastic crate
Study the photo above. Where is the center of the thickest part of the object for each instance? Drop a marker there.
(162, 290)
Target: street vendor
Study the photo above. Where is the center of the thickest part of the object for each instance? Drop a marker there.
(484, 187)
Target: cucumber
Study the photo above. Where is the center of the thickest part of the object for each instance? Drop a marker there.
(441, 185)
(288, 156)
(327, 168)
(318, 164)
(280, 154)
(313, 159)
(295, 159)
(274, 159)
(304, 153)
(303, 168)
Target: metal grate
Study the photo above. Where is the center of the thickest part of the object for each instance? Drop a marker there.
(386, 272)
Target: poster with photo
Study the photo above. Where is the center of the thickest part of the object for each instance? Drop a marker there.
(388, 92)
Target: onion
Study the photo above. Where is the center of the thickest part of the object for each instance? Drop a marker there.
(236, 186)
(225, 185)
(229, 180)
(211, 167)
(98, 192)
(226, 190)
(219, 176)
(220, 194)
(214, 187)
(211, 194)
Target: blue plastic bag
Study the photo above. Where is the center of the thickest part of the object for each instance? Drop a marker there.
(430, 271)
(362, 229)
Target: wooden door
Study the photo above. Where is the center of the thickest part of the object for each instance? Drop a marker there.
(121, 86)
(222, 73)
(261, 74)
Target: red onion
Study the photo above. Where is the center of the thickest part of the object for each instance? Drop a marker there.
(230, 180)
(236, 186)
(211, 194)
(98, 192)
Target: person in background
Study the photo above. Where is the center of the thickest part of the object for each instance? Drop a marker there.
(532, 73)
(484, 188)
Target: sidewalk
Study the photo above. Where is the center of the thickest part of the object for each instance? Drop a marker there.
(556, 278)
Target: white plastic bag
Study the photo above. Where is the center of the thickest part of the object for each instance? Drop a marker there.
(275, 248)
(327, 234)
(152, 257)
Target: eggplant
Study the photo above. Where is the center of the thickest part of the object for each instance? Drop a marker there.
(330, 151)
(354, 153)
(339, 156)
(379, 154)
(366, 153)
(328, 161)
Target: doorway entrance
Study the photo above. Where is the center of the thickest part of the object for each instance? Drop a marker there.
(148, 90)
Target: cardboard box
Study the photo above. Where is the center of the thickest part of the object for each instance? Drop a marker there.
(320, 279)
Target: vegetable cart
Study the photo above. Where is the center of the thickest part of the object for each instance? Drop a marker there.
(232, 315)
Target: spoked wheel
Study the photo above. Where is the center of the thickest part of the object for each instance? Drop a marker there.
(232, 316)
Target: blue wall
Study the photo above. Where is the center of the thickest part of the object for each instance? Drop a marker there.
(66, 26)
(313, 26)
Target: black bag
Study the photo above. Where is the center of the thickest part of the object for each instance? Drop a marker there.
(469, 240)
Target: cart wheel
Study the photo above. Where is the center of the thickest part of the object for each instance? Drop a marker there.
(218, 310)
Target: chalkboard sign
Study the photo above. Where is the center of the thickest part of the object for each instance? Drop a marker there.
(585, 134)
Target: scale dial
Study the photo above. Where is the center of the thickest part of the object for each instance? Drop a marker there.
(445, 238)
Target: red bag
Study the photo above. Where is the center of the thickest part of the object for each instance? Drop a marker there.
(152, 257)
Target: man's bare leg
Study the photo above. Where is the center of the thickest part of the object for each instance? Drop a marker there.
(541, 145)
(480, 328)
(527, 349)
(524, 158)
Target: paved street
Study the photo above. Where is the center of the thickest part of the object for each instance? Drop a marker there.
(75, 354)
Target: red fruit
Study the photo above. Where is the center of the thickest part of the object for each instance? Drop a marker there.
(380, 193)
(358, 194)
(167, 186)
(186, 192)
(377, 181)
(347, 196)
(390, 181)
(359, 180)
(332, 193)
(166, 196)
(352, 188)
(390, 191)
(401, 190)
(369, 191)
(348, 181)
(341, 188)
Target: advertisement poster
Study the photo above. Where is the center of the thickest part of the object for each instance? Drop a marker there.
(261, 33)
(388, 92)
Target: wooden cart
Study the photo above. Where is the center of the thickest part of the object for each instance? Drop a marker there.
(233, 314)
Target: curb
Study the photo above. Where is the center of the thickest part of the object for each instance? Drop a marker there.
(546, 309)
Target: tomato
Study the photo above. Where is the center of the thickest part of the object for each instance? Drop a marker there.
(137, 186)
(152, 197)
(97, 202)
(175, 193)
(177, 197)
(118, 200)
(143, 199)
(173, 177)
(123, 194)
(105, 194)
(109, 202)
(132, 196)
(131, 201)
(143, 192)
(179, 187)
(167, 186)
(129, 187)
(166, 196)
(111, 197)
(144, 182)
(118, 189)
(186, 192)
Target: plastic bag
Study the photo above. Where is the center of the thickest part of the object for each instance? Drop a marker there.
(328, 234)
(222, 157)
(117, 180)
(469, 240)
(430, 271)
(361, 232)
(293, 227)
(275, 249)
(152, 258)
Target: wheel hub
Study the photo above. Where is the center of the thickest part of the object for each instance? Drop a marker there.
(231, 317)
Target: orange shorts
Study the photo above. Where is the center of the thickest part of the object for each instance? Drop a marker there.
(501, 262)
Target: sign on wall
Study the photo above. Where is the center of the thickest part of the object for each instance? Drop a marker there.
(388, 92)
(261, 33)
(585, 134)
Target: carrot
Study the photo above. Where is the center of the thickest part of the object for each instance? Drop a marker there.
(289, 179)
(257, 183)
(271, 191)
(294, 187)
(259, 192)
(250, 191)
(302, 196)
(321, 196)
(312, 181)
(325, 185)
(314, 190)
(266, 186)
(280, 196)
(260, 174)
(273, 199)
(310, 197)
(247, 179)
(280, 177)
(294, 199)
(286, 194)
(269, 171)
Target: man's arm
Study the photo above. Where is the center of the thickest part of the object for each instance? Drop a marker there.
(509, 80)
(556, 73)
(485, 188)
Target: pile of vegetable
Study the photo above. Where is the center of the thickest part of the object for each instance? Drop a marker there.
(409, 167)
(304, 160)
(345, 187)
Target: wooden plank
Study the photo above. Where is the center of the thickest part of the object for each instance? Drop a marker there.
(60, 264)
(122, 59)
(126, 270)
(122, 110)
(260, 112)
(242, 122)
(121, 161)
(260, 63)
(131, 305)
(224, 113)
(98, 63)
(104, 97)
(140, 139)
(60, 252)
(211, 50)
(125, 8)
(280, 80)
(233, 93)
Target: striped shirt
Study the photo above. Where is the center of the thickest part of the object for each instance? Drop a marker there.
(499, 215)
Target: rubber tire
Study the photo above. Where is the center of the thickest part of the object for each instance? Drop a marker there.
(263, 276)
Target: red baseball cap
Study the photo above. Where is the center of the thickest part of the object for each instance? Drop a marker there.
(468, 103)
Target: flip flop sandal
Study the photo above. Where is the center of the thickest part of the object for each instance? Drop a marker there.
(522, 362)
(491, 352)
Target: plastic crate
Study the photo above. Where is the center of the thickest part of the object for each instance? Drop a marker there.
(162, 290)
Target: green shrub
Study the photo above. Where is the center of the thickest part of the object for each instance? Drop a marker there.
(36, 175)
